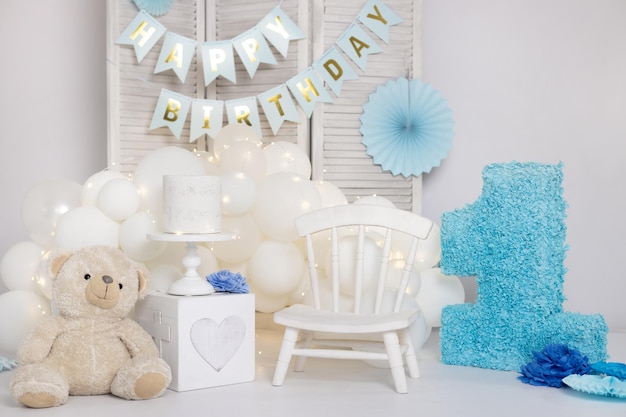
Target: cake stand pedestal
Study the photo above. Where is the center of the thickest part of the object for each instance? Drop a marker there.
(191, 283)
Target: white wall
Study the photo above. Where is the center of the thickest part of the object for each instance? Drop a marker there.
(53, 106)
(527, 80)
(545, 81)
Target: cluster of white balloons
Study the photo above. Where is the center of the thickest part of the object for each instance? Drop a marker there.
(263, 190)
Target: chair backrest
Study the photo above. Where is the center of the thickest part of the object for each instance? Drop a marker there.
(361, 240)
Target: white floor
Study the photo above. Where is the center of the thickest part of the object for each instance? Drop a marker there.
(351, 388)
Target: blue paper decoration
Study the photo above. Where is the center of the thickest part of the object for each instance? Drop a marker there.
(154, 7)
(608, 386)
(143, 32)
(171, 111)
(513, 240)
(407, 127)
(6, 364)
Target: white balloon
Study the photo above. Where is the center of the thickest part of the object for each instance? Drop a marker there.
(93, 185)
(282, 197)
(209, 162)
(241, 248)
(236, 132)
(429, 250)
(244, 157)
(287, 157)
(19, 266)
(148, 176)
(437, 291)
(375, 200)
(162, 276)
(394, 275)
(44, 276)
(175, 251)
(86, 226)
(276, 267)
(347, 264)
(44, 204)
(21, 311)
(133, 237)
(331, 194)
(238, 193)
(118, 199)
(269, 303)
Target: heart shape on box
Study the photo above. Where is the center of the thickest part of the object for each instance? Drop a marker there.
(218, 343)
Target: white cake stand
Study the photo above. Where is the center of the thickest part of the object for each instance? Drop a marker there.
(191, 283)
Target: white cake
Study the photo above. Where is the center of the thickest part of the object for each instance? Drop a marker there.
(192, 204)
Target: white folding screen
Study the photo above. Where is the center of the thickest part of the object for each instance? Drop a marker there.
(331, 137)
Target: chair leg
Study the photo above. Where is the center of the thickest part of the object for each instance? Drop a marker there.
(392, 345)
(409, 356)
(306, 344)
(284, 356)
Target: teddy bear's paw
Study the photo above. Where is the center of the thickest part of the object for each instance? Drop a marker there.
(150, 385)
(40, 400)
(37, 386)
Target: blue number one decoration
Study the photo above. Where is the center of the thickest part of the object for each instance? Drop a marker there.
(512, 238)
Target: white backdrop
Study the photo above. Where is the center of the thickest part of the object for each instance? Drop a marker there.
(527, 80)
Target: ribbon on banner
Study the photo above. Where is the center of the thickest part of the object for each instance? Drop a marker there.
(171, 111)
(206, 118)
(244, 110)
(176, 54)
(143, 32)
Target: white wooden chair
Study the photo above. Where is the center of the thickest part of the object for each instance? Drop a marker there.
(328, 332)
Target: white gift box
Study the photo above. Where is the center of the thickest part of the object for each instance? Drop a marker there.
(207, 340)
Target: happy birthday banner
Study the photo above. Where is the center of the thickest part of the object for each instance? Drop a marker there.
(307, 88)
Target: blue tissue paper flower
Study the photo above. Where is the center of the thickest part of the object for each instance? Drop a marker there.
(615, 369)
(227, 281)
(552, 364)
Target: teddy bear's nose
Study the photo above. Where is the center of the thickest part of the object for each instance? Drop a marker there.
(107, 279)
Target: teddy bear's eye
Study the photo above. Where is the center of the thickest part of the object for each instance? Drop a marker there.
(121, 286)
(87, 276)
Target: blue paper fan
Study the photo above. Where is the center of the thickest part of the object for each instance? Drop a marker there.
(6, 364)
(608, 386)
(154, 7)
(407, 127)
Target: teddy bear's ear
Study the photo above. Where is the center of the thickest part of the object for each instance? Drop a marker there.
(56, 261)
(143, 283)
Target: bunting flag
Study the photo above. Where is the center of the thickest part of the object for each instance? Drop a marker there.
(244, 110)
(334, 70)
(377, 17)
(358, 45)
(142, 33)
(252, 50)
(279, 29)
(308, 87)
(278, 107)
(176, 54)
(218, 59)
(206, 118)
(171, 111)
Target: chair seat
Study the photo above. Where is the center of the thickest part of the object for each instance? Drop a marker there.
(308, 318)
